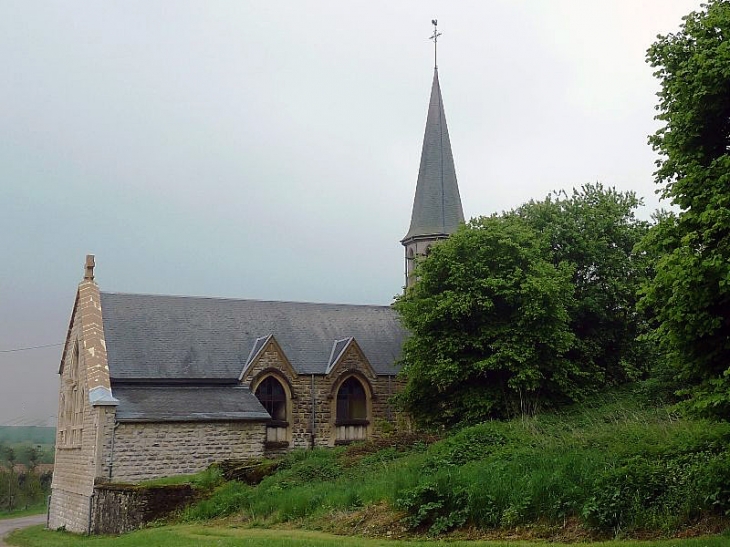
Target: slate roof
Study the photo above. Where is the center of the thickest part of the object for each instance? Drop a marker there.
(437, 205)
(177, 338)
(187, 403)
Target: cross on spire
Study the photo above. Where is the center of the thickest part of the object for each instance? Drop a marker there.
(435, 38)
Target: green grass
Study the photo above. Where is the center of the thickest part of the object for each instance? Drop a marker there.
(617, 467)
(34, 510)
(205, 480)
(224, 536)
(613, 468)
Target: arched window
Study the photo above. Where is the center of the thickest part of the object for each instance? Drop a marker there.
(351, 413)
(273, 398)
(272, 395)
(71, 419)
(351, 401)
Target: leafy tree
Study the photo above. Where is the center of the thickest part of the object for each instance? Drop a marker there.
(595, 230)
(489, 327)
(33, 455)
(12, 479)
(10, 456)
(690, 293)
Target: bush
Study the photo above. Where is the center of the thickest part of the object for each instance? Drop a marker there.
(435, 506)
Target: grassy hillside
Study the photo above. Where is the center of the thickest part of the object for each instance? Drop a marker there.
(613, 468)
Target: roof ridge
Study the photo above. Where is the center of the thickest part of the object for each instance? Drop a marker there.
(231, 299)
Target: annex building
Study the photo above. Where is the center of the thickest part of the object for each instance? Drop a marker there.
(154, 385)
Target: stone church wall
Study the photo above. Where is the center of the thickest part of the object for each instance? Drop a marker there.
(322, 389)
(144, 451)
(75, 462)
(378, 388)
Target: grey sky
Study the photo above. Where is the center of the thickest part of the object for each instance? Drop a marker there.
(270, 150)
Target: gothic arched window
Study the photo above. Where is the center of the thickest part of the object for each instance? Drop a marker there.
(351, 401)
(351, 412)
(71, 407)
(272, 396)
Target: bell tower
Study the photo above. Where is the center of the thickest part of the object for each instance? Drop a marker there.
(437, 210)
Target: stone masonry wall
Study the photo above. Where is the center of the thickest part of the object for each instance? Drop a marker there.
(298, 391)
(117, 509)
(144, 451)
(75, 465)
(108, 427)
(69, 510)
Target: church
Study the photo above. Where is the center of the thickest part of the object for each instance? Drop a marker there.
(154, 385)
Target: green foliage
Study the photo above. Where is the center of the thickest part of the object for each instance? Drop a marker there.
(690, 293)
(206, 480)
(644, 490)
(595, 230)
(617, 468)
(10, 456)
(19, 491)
(436, 506)
(616, 465)
(293, 486)
(228, 498)
(489, 327)
(532, 309)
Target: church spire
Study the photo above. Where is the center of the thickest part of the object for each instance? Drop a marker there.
(437, 210)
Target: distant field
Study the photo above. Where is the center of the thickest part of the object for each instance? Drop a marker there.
(24, 438)
(27, 434)
(222, 535)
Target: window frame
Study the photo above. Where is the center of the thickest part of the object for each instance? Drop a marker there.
(72, 403)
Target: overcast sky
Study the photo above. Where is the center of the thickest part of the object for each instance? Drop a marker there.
(270, 150)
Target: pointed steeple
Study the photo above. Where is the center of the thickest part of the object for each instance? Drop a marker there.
(437, 210)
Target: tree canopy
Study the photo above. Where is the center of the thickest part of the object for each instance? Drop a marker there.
(689, 295)
(489, 326)
(529, 309)
(595, 230)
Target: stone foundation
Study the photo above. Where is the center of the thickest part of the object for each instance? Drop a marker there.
(70, 511)
(121, 508)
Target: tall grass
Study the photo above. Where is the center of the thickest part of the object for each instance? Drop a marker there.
(613, 465)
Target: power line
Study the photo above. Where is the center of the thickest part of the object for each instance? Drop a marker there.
(29, 348)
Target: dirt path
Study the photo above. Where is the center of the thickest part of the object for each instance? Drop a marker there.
(8, 525)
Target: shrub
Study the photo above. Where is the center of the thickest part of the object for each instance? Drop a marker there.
(435, 506)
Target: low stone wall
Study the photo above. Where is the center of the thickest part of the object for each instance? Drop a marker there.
(119, 508)
(144, 451)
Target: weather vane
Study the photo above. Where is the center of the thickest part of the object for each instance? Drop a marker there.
(435, 38)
